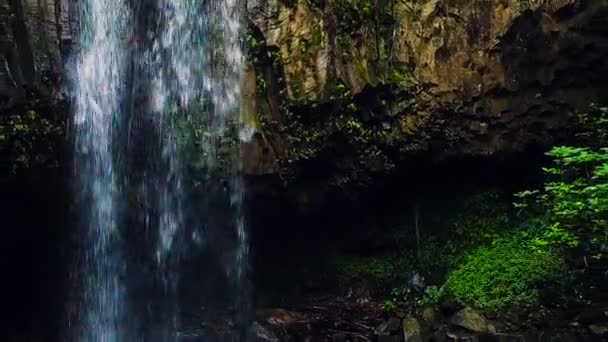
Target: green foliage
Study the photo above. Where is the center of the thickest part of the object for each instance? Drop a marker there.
(575, 194)
(509, 273)
(404, 299)
(431, 296)
(303, 45)
(318, 34)
(31, 141)
(353, 14)
(389, 306)
(399, 298)
(342, 92)
(380, 272)
(403, 78)
(380, 269)
(526, 4)
(261, 85)
(253, 43)
(476, 221)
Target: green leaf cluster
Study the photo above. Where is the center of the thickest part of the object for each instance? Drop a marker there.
(31, 141)
(509, 273)
(575, 194)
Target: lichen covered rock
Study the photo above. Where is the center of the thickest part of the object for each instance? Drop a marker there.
(471, 320)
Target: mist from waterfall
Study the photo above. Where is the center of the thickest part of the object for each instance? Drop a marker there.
(156, 94)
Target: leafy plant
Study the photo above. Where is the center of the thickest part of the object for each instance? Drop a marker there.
(303, 45)
(575, 194)
(403, 78)
(261, 85)
(253, 42)
(507, 274)
(477, 221)
(31, 141)
(399, 298)
(431, 296)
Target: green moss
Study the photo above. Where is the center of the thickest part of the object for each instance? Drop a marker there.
(31, 141)
(318, 34)
(477, 221)
(509, 273)
(402, 77)
(381, 271)
(253, 43)
(261, 85)
(303, 46)
(526, 4)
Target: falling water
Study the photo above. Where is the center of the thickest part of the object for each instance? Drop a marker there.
(100, 71)
(142, 78)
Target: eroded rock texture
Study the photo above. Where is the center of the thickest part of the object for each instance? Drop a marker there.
(34, 41)
(342, 90)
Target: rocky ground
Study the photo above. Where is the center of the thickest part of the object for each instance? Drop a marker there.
(338, 319)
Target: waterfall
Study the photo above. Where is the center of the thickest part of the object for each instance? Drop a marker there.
(159, 192)
(100, 71)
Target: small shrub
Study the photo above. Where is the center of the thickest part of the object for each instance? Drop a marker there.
(431, 296)
(504, 275)
(398, 299)
(575, 194)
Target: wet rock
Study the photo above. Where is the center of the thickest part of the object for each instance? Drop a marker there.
(461, 336)
(388, 328)
(471, 320)
(428, 315)
(412, 330)
(599, 329)
(258, 333)
(463, 75)
(416, 282)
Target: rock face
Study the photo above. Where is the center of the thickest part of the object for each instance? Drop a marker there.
(412, 330)
(354, 87)
(389, 327)
(35, 36)
(470, 319)
(338, 91)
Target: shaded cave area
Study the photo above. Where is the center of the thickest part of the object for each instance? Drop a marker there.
(297, 233)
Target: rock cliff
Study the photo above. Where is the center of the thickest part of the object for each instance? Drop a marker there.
(337, 91)
(340, 90)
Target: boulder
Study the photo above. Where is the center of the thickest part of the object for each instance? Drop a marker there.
(389, 327)
(452, 78)
(258, 333)
(599, 329)
(461, 336)
(428, 315)
(412, 330)
(471, 320)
